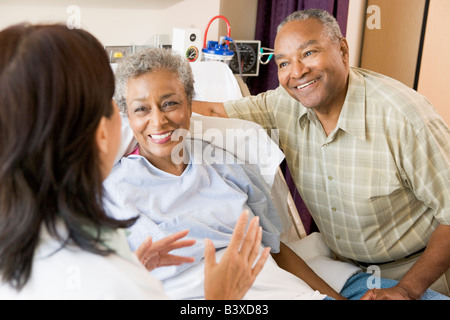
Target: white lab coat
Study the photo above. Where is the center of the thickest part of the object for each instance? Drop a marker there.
(72, 273)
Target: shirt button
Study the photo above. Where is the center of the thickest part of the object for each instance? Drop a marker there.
(330, 178)
(338, 237)
(333, 209)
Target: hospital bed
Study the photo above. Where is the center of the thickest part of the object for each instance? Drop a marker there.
(214, 81)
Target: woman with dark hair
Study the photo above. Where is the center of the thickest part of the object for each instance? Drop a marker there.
(59, 135)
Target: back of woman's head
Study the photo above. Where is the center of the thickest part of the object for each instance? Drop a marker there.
(55, 86)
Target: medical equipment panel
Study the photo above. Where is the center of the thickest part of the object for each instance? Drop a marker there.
(187, 42)
(115, 53)
(246, 60)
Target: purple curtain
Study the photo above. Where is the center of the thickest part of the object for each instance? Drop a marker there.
(270, 14)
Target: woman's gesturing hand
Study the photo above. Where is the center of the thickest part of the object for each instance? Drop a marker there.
(237, 270)
(154, 255)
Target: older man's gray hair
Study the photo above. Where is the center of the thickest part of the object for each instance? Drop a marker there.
(330, 24)
(147, 61)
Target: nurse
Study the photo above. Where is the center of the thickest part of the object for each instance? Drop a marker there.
(59, 135)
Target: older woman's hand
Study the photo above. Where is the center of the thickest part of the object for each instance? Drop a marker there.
(231, 278)
(155, 255)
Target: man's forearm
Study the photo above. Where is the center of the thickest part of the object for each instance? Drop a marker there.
(212, 109)
(432, 264)
(291, 262)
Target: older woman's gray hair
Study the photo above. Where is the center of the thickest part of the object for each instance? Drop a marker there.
(147, 61)
(330, 24)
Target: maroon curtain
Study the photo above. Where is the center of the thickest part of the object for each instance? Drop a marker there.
(270, 14)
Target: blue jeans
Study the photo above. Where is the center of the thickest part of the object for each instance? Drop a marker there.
(356, 287)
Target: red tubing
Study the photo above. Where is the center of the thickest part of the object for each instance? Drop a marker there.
(207, 28)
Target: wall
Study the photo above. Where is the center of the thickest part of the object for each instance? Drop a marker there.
(242, 17)
(118, 22)
(434, 77)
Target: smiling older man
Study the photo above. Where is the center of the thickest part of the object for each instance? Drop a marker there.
(369, 156)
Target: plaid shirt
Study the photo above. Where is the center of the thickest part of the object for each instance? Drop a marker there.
(379, 184)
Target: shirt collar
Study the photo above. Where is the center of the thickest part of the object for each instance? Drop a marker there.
(353, 114)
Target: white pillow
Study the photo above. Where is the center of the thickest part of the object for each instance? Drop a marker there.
(214, 82)
(321, 259)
